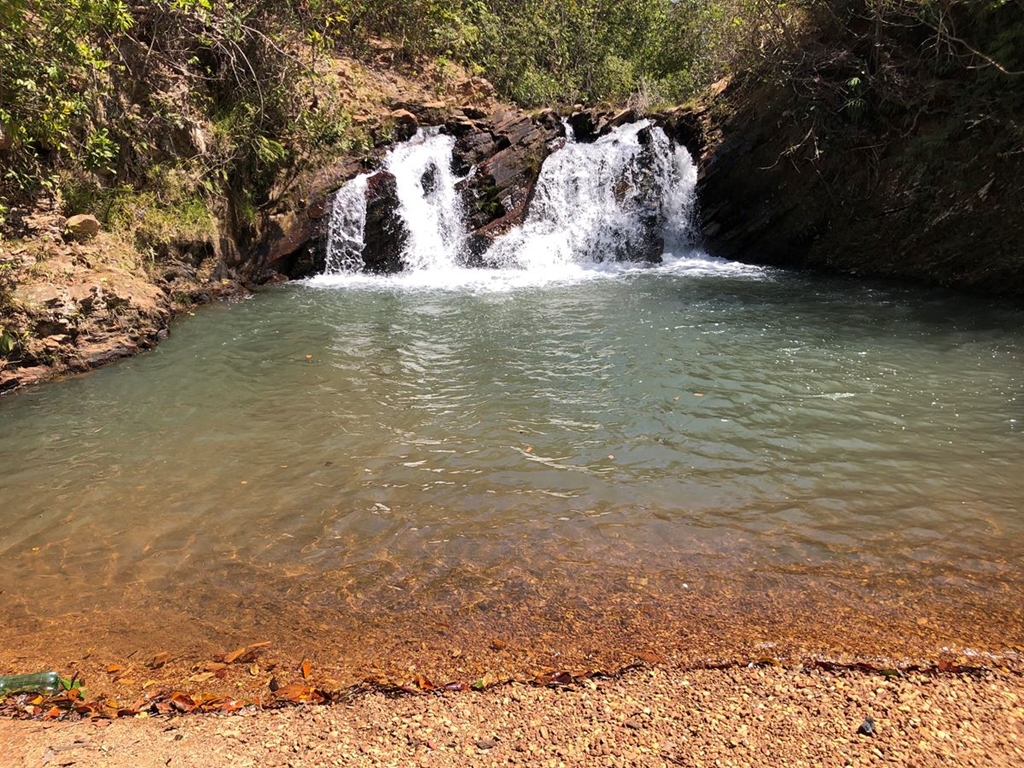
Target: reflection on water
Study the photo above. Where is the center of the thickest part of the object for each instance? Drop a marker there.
(371, 448)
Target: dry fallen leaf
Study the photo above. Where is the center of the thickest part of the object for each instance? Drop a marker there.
(306, 669)
(297, 693)
(245, 654)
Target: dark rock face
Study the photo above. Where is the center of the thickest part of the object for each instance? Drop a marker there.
(293, 242)
(385, 233)
(779, 190)
(646, 203)
(508, 150)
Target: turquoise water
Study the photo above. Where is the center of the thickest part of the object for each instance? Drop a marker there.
(363, 442)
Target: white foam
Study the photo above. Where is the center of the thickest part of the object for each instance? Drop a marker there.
(483, 280)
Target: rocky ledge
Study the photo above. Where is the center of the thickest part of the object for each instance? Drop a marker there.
(76, 298)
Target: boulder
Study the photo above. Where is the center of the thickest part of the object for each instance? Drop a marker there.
(427, 113)
(83, 226)
(406, 124)
(475, 89)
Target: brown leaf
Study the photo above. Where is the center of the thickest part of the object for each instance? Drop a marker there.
(498, 645)
(113, 669)
(297, 693)
(214, 666)
(306, 668)
(245, 654)
(554, 679)
(423, 683)
(202, 677)
(182, 702)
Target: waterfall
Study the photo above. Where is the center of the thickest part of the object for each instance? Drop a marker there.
(629, 193)
(345, 230)
(628, 196)
(430, 206)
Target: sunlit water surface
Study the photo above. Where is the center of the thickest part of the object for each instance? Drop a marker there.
(464, 444)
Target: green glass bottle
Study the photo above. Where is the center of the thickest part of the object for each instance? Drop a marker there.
(46, 683)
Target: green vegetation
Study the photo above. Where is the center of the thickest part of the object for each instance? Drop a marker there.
(95, 94)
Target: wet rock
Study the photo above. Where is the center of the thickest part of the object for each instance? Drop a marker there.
(429, 180)
(293, 240)
(507, 150)
(385, 232)
(779, 187)
(460, 126)
(621, 118)
(583, 126)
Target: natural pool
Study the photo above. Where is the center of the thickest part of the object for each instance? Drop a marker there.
(702, 459)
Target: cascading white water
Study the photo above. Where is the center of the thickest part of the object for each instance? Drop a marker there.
(627, 196)
(430, 206)
(345, 231)
(604, 200)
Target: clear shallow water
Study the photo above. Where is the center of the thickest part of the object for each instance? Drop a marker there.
(362, 447)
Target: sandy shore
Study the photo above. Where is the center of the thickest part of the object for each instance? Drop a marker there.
(650, 717)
